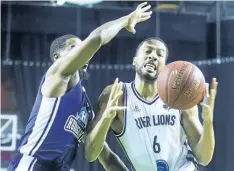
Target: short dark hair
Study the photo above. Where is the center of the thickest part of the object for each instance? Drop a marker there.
(59, 43)
(148, 40)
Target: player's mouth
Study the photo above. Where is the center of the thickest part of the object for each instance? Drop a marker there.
(150, 67)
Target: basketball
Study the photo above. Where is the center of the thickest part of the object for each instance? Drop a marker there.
(181, 85)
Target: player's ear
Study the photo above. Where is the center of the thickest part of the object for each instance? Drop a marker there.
(134, 61)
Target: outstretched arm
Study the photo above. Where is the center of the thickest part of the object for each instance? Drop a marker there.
(97, 129)
(59, 73)
(201, 138)
(110, 161)
(84, 52)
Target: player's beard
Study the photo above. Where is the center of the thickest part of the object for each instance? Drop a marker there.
(145, 76)
(84, 75)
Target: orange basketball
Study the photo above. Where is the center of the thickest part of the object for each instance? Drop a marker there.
(181, 85)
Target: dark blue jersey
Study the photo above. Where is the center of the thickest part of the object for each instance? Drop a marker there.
(56, 125)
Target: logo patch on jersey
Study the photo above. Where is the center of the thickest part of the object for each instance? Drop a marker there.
(73, 127)
(162, 165)
(166, 107)
(77, 125)
(136, 109)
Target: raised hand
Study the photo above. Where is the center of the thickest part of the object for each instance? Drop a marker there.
(139, 15)
(112, 105)
(208, 104)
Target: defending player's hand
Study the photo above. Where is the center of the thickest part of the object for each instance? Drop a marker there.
(112, 105)
(140, 14)
(208, 104)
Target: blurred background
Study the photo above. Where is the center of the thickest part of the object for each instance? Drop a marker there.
(200, 32)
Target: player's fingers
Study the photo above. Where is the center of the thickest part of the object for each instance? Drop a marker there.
(213, 89)
(113, 88)
(213, 92)
(146, 14)
(145, 18)
(214, 86)
(142, 5)
(212, 98)
(118, 108)
(114, 85)
(118, 88)
(204, 106)
(116, 80)
(146, 8)
(117, 96)
(213, 83)
(117, 91)
(112, 91)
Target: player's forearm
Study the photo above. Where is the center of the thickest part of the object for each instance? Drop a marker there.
(205, 147)
(110, 161)
(96, 138)
(109, 30)
(85, 51)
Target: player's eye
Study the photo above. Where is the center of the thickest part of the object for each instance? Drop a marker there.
(72, 46)
(159, 53)
(148, 51)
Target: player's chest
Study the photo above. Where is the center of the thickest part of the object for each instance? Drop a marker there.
(151, 116)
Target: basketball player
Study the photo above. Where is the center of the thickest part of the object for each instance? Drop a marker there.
(62, 109)
(154, 136)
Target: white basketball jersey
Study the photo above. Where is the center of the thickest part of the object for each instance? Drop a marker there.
(153, 138)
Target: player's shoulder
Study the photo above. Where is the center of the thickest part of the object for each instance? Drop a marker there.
(107, 91)
(104, 96)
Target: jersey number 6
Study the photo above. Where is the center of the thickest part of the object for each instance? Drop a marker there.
(156, 145)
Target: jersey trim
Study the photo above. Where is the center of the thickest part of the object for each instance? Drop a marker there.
(190, 157)
(45, 118)
(32, 164)
(125, 113)
(26, 163)
(140, 98)
(181, 120)
(91, 117)
(126, 154)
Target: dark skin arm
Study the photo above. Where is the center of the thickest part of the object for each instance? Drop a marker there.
(107, 106)
(105, 114)
(110, 161)
(59, 74)
(202, 138)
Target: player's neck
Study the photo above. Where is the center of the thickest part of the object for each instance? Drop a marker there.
(146, 89)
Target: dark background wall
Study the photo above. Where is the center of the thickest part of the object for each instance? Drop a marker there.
(27, 32)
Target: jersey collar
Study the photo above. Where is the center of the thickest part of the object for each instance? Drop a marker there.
(141, 98)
